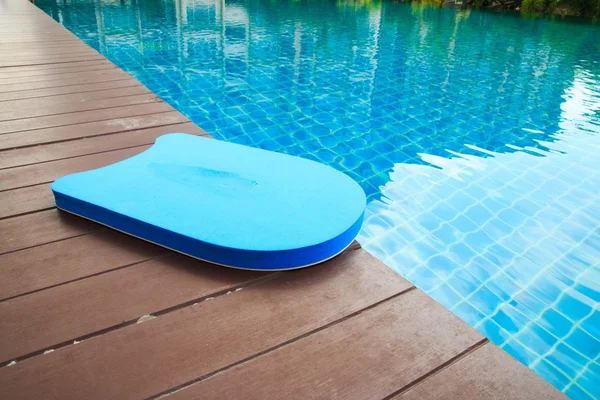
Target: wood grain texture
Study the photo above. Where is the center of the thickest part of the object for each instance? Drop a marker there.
(488, 373)
(366, 357)
(96, 144)
(46, 75)
(44, 51)
(66, 260)
(53, 91)
(7, 62)
(80, 308)
(35, 174)
(73, 107)
(185, 344)
(46, 226)
(30, 105)
(67, 80)
(23, 58)
(25, 200)
(73, 118)
(27, 40)
(89, 129)
(49, 69)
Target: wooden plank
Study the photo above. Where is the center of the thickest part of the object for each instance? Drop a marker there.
(50, 57)
(38, 39)
(366, 357)
(33, 50)
(74, 107)
(45, 48)
(7, 21)
(25, 200)
(31, 26)
(34, 24)
(57, 134)
(50, 68)
(97, 144)
(486, 373)
(42, 102)
(17, 7)
(15, 24)
(41, 36)
(29, 175)
(62, 79)
(68, 80)
(70, 259)
(30, 16)
(193, 341)
(44, 227)
(28, 20)
(88, 87)
(40, 32)
(50, 45)
(38, 61)
(38, 76)
(43, 51)
(84, 307)
(50, 121)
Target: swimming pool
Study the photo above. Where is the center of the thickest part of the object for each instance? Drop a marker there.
(475, 136)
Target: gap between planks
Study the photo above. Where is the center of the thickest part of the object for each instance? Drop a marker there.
(209, 297)
(73, 78)
(82, 117)
(276, 347)
(154, 314)
(96, 104)
(423, 379)
(65, 90)
(68, 149)
(93, 275)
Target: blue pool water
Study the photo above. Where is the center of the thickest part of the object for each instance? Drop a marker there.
(476, 137)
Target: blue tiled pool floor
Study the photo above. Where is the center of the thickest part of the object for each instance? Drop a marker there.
(519, 262)
(476, 137)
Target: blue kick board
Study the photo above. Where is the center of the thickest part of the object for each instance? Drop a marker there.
(221, 202)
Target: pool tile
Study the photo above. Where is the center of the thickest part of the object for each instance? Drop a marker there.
(584, 343)
(589, 379)
(567, 360)
(537, 339)
(520, 352)
(591, 324)
(576, 392)
(555, 323)
(493, 331)
(445, 295)
(552, 374)
(485, 300)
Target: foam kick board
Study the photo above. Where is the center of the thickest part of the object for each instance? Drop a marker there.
(221, 202)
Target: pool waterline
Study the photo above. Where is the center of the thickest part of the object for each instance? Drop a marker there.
(473, 134)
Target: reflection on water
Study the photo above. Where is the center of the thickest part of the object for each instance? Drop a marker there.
(474, 135)
(510, 242)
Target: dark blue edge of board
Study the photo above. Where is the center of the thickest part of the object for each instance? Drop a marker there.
(270, 260)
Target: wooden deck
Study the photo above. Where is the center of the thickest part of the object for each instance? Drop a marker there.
(86, 312)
